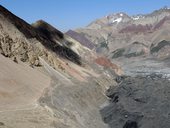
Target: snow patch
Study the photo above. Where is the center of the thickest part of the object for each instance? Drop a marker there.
(138, 17)
(135, 18)
(118, 20)
(121, 14)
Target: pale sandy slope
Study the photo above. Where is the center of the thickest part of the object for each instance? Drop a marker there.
(20, 85)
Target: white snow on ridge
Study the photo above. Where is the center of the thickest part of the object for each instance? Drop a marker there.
(118, 20)
(135, 18)
(121, 14)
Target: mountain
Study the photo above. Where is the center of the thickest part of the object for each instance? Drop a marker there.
(119, 30)
(140, 46)
(49, 78)
(112, 74)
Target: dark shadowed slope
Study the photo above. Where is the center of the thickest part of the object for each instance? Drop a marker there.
(47, 35)
(81, 38)
(46, 29)
(140, 102)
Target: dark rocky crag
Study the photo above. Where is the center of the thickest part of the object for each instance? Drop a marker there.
(139, 102)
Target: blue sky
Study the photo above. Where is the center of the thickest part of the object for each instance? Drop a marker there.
(71, 14)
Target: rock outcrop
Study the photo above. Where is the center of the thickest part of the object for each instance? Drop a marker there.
(22, 41)
(140, 102)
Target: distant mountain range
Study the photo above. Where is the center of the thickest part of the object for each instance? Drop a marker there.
(119, 32)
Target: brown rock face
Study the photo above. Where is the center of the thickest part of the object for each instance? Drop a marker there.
(19, 49)
(103, 61)
(136, 28)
